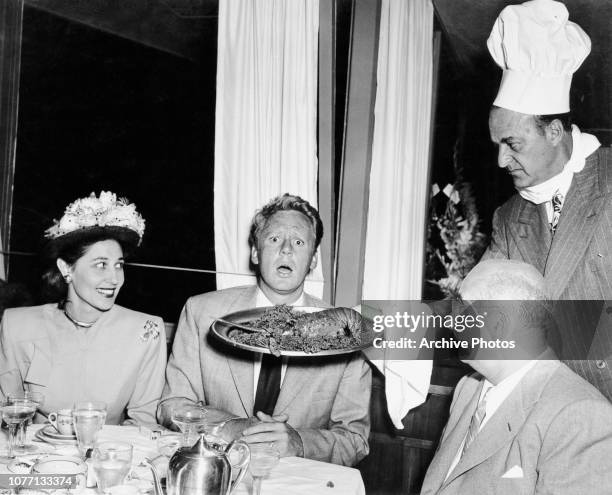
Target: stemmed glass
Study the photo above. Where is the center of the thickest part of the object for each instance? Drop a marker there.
(89, 418)
(20, 398)
(264, 457)
(14, 415)
(213, 433)
(191, 420)
(112, 462)
(167, 445)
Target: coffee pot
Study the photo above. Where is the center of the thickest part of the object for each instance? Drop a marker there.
(205, 469)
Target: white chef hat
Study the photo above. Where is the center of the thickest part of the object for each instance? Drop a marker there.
(538, 49)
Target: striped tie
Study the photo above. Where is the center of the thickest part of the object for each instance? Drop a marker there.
(477, 419)
(557, 203)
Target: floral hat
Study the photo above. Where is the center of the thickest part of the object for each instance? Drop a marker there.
(104, 212)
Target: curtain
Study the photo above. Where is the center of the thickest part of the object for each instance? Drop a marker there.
(266, 122)
(2, 271)
(11, 19)
(399, 192)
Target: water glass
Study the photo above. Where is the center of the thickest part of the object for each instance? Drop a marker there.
(14, 415)
(191, 420)
(112, 462)
(89, 418)
(22, 397)
(264, 457)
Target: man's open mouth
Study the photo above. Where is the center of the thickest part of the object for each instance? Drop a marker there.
(284, 270)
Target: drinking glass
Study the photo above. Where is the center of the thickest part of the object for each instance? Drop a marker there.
(213, 432)
(167, 445)
(191, 420)
(13, 415)
(112, 462)
(89, 418)
(21, 397)
(264, 457)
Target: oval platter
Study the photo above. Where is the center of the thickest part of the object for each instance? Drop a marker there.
(221, 331)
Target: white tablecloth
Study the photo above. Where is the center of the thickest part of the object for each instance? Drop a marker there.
(293, 475)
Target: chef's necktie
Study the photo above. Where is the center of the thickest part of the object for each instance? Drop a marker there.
(268, 385)
(557, 204)
(477, 419)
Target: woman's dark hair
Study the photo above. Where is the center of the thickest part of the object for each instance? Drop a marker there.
(72, 246)
(13, 296)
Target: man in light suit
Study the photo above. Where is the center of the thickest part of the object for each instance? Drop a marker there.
(560, 221)
(322, 408)
(521, 426)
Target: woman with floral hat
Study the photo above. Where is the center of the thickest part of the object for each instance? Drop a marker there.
(86, 347)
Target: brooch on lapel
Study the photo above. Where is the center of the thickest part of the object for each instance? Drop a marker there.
(151, 331)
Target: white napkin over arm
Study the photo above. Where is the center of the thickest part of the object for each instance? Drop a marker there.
(406, 381)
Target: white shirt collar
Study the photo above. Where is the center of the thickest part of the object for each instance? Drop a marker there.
(263, 301)
(583, 145)
(497, 394)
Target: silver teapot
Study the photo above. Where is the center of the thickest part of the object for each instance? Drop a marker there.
(205, 468)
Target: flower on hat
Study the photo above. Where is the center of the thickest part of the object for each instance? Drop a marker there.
(103, 211)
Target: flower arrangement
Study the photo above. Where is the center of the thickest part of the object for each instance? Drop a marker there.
(103, 211)
(455, 243)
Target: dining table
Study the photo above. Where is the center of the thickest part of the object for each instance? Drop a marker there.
(292, 475)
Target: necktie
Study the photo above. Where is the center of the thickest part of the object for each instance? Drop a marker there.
(268, 385)
(557, 203)
(477, 419)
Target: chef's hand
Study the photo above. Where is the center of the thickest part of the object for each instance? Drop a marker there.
(347, 317)
(274, 429)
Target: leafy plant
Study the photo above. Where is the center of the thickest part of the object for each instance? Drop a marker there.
(455, 243)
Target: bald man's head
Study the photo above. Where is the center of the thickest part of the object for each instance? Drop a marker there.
(511, 296)
(503, 280)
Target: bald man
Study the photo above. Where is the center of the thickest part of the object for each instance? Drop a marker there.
(527, 425)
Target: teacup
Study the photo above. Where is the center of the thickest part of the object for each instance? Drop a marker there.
(62, 421)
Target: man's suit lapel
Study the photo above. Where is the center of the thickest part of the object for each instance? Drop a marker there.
(576, 227)
(507, 420)
(454, 433)
(242, 369)
(532, 233)
(498, 431)
(292, 385)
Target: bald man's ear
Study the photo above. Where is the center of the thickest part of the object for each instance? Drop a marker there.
(554, 132)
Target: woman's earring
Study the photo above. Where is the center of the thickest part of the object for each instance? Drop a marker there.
(67, 278)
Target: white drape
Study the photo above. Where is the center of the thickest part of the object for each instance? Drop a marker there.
(2, 272)
(399, 192)
(266, 121)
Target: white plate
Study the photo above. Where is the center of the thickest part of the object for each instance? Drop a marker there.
(222, 332)
(56, 441)
(50, 431)
(23, 463)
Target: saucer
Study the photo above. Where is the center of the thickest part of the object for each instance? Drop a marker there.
(55, 441)
(22, 464)
(50, 431)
